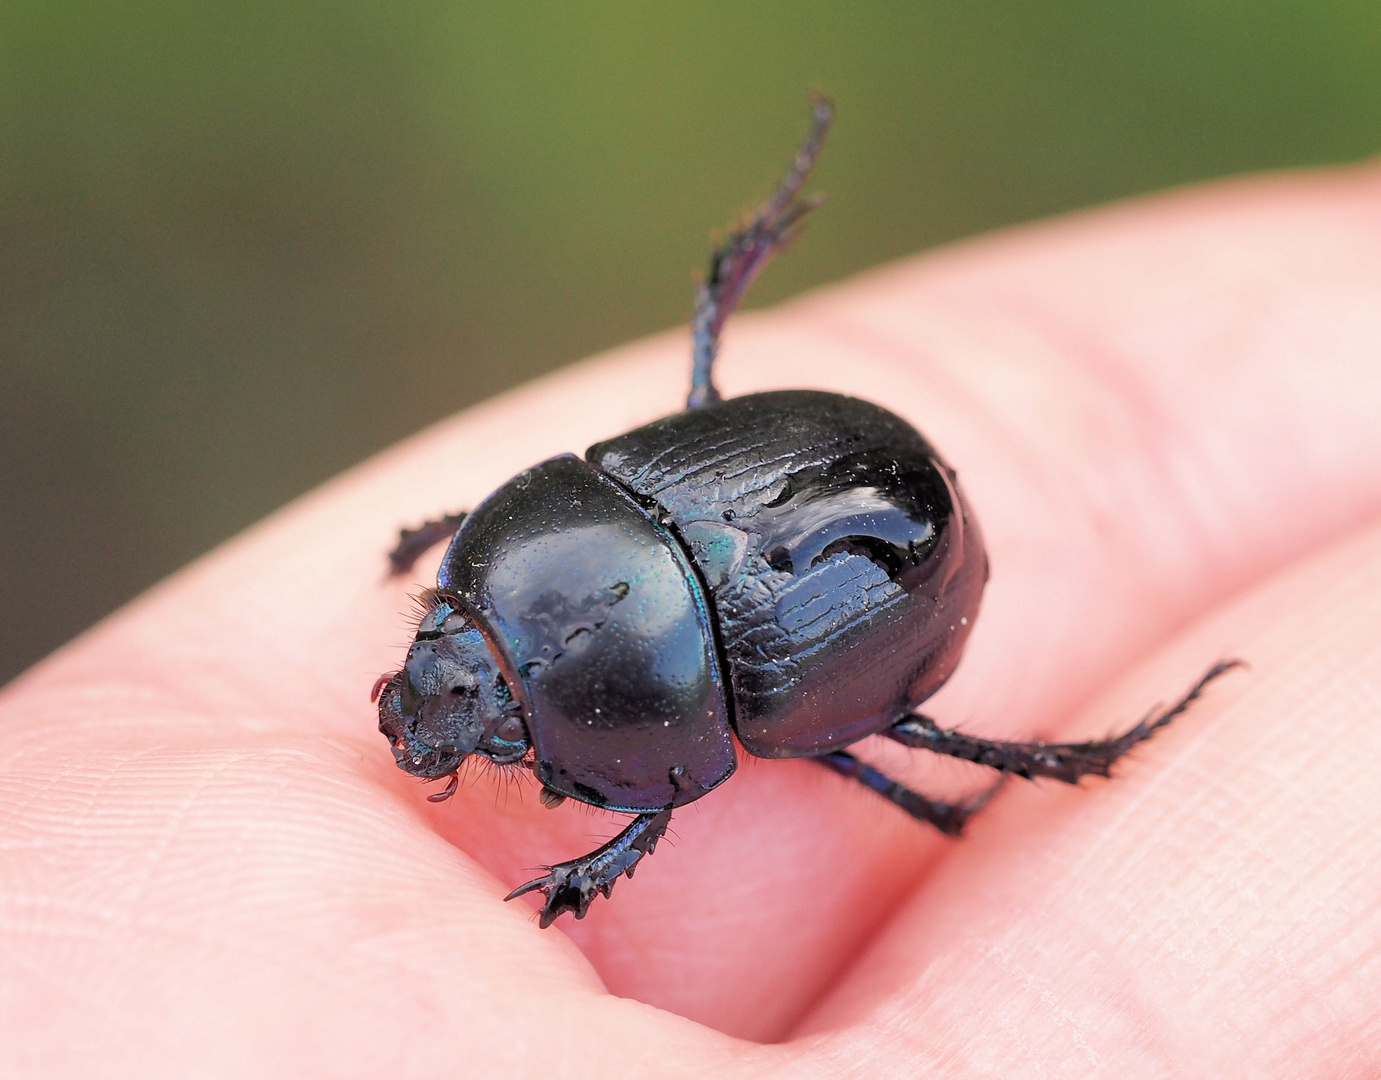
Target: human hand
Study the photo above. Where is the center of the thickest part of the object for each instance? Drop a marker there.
(1167, 416)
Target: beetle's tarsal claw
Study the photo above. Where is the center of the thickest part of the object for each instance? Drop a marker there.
(531, 886)
(572, 886)
(569, 887)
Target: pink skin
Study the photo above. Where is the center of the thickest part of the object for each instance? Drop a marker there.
(1168, 416)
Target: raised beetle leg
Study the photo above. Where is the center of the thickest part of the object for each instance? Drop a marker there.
(571, 886)
(737, 261)
(1060, 761)
(413, 543)
(949, 818)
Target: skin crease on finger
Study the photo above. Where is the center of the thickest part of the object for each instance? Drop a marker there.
(1152, 408)
(1218, 915)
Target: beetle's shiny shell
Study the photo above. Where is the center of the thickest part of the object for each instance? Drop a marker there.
(799, 566)
(601, 628)
(843, 563)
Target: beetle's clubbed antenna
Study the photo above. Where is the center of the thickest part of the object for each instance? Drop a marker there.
(741, 257)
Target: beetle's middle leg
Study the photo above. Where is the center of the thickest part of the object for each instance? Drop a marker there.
(413, 543)
(737, 261)
(571, 886)
(949, 818)
(1060, 761)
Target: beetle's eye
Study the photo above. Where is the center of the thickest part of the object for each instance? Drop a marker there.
(454, 623)
(433, 621)
(512, 730)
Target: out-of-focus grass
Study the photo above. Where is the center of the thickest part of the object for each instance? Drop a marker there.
(242, 246)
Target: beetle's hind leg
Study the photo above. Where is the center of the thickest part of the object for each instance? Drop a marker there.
(737, 261)
(1060, 761)
(413, 543)
(571, 886)
(949, 818)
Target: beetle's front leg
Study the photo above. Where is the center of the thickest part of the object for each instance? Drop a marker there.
(571, 886)
(413, 543)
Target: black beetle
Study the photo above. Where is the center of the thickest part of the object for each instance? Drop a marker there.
(797, 569)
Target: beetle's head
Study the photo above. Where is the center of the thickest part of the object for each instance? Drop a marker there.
(450, 700)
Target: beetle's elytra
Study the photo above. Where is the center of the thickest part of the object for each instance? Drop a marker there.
(793, 571)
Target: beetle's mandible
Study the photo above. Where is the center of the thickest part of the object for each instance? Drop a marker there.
(793, 571)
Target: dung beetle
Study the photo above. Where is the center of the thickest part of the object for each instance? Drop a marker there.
(793, 570)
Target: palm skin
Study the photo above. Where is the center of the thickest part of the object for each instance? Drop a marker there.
(1166, 416)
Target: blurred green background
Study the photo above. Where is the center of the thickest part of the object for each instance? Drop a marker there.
(244, 245)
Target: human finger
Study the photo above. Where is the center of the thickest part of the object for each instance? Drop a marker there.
(1100, 549)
